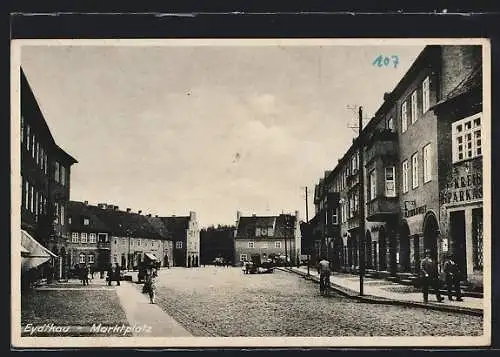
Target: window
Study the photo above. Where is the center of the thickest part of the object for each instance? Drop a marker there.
(414, 171)
(264, 245)
(466, 136)
(124, 241)
(86, 221)
(373, 184)
(37, 154)
(62, 214)
(92, 238)
(426, 98)
(69, 220)
(116, 241)
(63, 175)
(41, 158)
(28, 137)
(32, 196)
(405, 176)
(277, 245)
(243, 257)
(178, 244)
(22, 129)
(414, 107)
(74, 237)
(56, 171)
(102, 237)
(56, 218)
(27, 195)
(390, 181)
(477, 239)
(33, 146)
(335, 216)
(138, 242)
(390, 124)
(427, 153)
(36, 204)
(46, 166)
(82, 258)
(404, 117)
(251, 245)
(91, 258)
(83, 238)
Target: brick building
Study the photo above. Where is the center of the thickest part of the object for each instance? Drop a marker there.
(267, 235)
(45, 180)
(423, 171)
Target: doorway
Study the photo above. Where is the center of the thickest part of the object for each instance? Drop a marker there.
(404, 247)
(382, 251)
(457, 232)
(368, 250)
(431, 230)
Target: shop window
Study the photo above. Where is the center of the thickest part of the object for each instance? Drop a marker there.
(477, 238)
(466, 136)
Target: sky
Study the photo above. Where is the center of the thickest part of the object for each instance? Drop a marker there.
(211, 129)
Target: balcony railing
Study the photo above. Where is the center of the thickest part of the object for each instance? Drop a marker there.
(382, 208)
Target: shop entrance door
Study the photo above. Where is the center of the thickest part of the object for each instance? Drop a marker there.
(457, 224)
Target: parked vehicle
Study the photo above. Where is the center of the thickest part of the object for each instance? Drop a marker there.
(257, 266)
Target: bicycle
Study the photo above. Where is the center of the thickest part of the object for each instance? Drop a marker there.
(324, 284)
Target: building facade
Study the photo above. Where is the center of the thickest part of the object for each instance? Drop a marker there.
(422, 172)
(217, 242)
(267, 236)
(45, 179)
(184, 232)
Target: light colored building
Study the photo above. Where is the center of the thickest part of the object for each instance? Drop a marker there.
(267, 236)
(184, 232)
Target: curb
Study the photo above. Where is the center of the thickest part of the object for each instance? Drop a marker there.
(385, 301)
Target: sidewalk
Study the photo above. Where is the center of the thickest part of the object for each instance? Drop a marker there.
(141, 312)
(384, 291)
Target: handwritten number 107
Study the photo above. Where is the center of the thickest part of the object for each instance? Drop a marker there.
(384, 61)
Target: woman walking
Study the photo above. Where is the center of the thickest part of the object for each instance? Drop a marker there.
(152, 285)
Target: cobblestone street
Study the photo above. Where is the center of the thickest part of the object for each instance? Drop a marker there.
(220, 301)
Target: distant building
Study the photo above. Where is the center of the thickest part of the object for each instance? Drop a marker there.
(217, 242)
(267, 235)
(45, 180)
(184, 232)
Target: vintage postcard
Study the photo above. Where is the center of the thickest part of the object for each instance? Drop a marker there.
(251, 193)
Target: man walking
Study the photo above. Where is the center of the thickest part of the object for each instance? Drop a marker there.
(429, 275)
(452, 278)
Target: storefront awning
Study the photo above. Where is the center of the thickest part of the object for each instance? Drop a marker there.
(151, 256)
(33, 253)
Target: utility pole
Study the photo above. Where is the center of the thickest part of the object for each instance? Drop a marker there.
(309, 238)
(361, 204)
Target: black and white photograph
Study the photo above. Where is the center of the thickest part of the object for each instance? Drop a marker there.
(251, 192)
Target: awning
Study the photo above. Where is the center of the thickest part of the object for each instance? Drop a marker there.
(35, 255)
(151, 256)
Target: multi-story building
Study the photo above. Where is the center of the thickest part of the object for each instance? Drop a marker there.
(422, 170)
(45, 179)
(267, 236)
(102, 235)
(185, 235)
(217, 242)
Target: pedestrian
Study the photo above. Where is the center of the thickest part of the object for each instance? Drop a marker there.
(429, 276)
(117, 274)
(152, 285)
(111, 274)
(452, 274)
(92, 270)
(85, 274)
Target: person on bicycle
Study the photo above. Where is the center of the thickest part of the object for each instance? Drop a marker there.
(324, 269)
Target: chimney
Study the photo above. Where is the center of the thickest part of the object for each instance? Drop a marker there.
(192, 215)
(115, 208)
(254, 215)
(156, 215)
(149, 214)
(102, 205)
(129, 210)
(297, 215)
(139, 212)
(238, 216)
(386, 96)
(86, 203)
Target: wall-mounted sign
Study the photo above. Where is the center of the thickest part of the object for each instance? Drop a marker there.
(463, 188)
(415, 211)
(375, 228)
(409, 205)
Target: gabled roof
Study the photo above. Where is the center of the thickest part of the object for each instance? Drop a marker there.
(79, 210)
(247, 225)
(175, 225)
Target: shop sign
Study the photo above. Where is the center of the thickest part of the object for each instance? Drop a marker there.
(464, 188)
(415, 211)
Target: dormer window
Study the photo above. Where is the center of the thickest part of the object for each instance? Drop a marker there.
(86, 221)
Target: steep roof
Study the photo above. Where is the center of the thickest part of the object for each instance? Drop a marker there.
(175, 225)
(473, 80)
(79, 210)
(247, 225)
